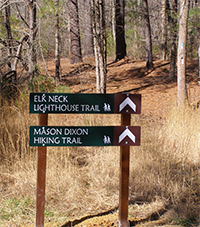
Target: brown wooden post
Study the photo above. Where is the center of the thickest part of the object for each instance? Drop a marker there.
(124, 177)
(41, 177)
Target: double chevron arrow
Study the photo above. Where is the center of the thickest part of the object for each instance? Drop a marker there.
(128, 133)
(128, 102)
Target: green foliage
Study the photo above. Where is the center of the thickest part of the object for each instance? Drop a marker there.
(134, 16)
(135, 45)
(133, 21)
(40, 83)
(47, 9)
(16, 26)
(133, 13)
(47, 14)
(2, 27)
(14, 21)
(186, 222)
(48, 213)
(194, 20)
(54, 215)
(24, 208)
(172, 26)
(194, 13)
(14, 207)
(110, 44)
(193, 25)
(62, 89)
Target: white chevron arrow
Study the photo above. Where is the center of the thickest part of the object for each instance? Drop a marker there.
(128, 133)
(129, 102)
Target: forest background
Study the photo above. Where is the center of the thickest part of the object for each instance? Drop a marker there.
(34, 32)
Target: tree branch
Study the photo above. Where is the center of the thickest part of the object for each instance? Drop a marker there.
(22, 18)
(23, 39)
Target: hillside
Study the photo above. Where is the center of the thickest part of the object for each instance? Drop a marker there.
(158, 92)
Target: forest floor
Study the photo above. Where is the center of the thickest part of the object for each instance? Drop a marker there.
(159, 94)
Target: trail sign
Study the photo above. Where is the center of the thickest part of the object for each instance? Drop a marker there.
(123, 136)
(85, 103)
(84, 136)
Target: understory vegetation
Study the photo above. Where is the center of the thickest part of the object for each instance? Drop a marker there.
(85, 180)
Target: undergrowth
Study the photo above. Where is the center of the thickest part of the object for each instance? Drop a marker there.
(186, 222)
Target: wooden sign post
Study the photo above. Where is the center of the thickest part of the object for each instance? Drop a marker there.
(123, 136)
(124, 178)
(41, 177)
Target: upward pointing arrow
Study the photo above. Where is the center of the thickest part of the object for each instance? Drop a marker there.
(126, 102)
(128, 133)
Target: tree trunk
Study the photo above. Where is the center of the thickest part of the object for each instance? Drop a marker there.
(197, 4)
(181, 55)
(76, 55)
(149, 57)
(18, 53)
(173, 22)
(57, 44)
(8, 35)
(113, 21)
(173, 58)
(198, 40)
(88, 41)
(32, 36)
(164, 31)
(120, 30)
(99, 34)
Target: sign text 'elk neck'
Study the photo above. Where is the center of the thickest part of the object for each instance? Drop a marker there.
(85, 103)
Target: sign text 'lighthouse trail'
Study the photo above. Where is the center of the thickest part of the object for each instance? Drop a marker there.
(85, 103)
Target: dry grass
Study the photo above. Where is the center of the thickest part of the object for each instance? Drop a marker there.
(84, 180)
(168, 163)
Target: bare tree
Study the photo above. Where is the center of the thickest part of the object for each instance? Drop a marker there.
(198, 38)
(13, 51)
(88, 39)
(31, 4)
(99, 35)
(76, 55)
(8, 34)
(181, 55)
(17, 56)
(149, 57)
(113, 21)
(196, 5)
(120, 30)
(173, 23)
(57, 43)
(164, 30)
